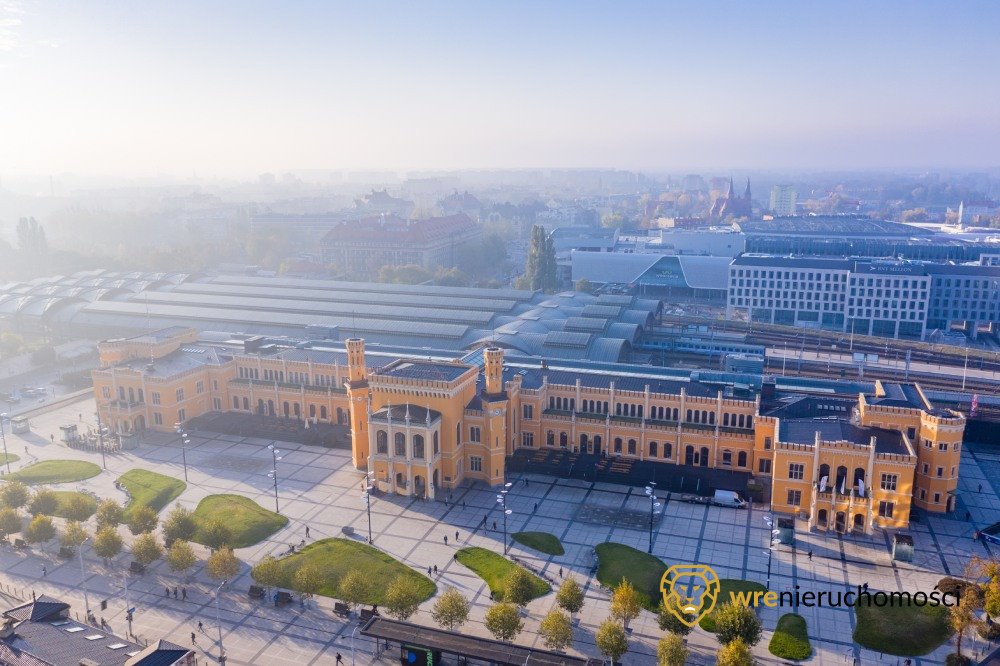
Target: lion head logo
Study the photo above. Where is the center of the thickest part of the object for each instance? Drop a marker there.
(689, 591)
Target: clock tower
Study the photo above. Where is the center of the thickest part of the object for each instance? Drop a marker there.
(357, 393)
(496, 405)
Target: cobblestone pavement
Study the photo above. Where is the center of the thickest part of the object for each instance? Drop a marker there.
(317, 487)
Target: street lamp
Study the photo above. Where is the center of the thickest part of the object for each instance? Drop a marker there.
(100, 439)
(185, 442)
(83, 577)
(366, 497)
(273, 474)
(218, 621)
(3, 419)
(653, 506)
(502, 501)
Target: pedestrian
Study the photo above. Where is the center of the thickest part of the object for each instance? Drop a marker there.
(176, 592)
(435, 569)
(201, 627)
(494, 526)
(45, 571)
(535, 510)
(194, 639)
(560, 572)
(463, 504)
(340, 659)
(810, 555)
(307, 531)
(980, 487)
(428, 571)
(446, 539)
(456, 535)
(455, 556)
(166, 592)
(968, 515)
(864, 588)
(184, 593)
(81, 415)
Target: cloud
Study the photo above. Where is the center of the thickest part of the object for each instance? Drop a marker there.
(10, 13)
(51, 43)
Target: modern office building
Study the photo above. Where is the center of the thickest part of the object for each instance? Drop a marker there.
(783, 200)
(853, 458)
(873, 297)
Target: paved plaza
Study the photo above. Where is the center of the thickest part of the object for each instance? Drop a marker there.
(318, 488)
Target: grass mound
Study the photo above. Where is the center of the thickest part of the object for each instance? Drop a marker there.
(495, 569)
(249, 522)
(617, 561)
(727, 587)
(48, 472)
(790, 639)
(66, 497)
(150, 489)
(901, 630)
(336, 557)
(543, 542)
(8, 457)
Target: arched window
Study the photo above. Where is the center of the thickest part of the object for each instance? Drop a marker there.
(618, 409)
(741, 459)
(297, 409)
(121, 393)
(824, 470)
(563, 439)
(631, 447)
(550, 438)
(236, 402)
(652, 449)
(711, 418)
(725, 420)
(270, 407)
(572, 404)
(841, 478)
(676, 414)
(418, 446)
(399, 444)
(597, 443)
(739, 421)
(382, 443)
(689, 416)
(667, 450)
(246, 404)
(618, 444)
(458, 433)
(312, 411)
(749, 420)
(583, 442)
(690, 457)
(141, 396)
(322, 412)
(704, 456)
(639, 409)
(727, 457)
(437, 446)
(285, 409)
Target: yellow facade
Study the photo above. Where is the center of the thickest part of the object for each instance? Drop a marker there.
(423, 427)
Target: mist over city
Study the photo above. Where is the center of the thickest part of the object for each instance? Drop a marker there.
(514, 333)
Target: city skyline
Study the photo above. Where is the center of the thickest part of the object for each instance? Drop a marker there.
(234, 91)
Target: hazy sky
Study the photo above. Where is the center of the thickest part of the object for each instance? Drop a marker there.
(236, 88)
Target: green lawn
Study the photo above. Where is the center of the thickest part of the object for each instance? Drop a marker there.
(150, 489)
(336, 557)
(790, 639)
(905, 631)
(727, 586)
(540, 541)
(250, 522)
(65, 496)
(495, 569)
(56, 471)
(8, 457)
(617, 561)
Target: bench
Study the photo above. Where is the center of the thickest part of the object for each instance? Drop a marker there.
(365, 615)
(341, 609)
(281, 598)
(256, 592)
(20, 544)
(66, 552)
(349, 531)
(136, 568)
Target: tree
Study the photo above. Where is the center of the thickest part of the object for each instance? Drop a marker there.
(612, 220)
(450, 277)
(518, 589)
(962, 618)
(556, 630)
(268, 572)
(39, 530)
(670, 622)
(73, 534)
(141, 519)
(735, 653)
(146, 549)
(10, 522)
(356, 587)
(45, 502)
(215, 534)
(180, 524)
(540, 266)
(451, 610)
(403, 597)
(584, 285)
(223, 564)
(570, 596)
(109, 514)
(503, 620)
(736, 621)
(611, 640)
(308, 579)
(180, 556)
(31, 237)
(625, 604)
(107, 543)
(14, 494)
(671, 651)
(78, 507)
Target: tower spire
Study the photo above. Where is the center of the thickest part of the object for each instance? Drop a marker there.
(746, 194)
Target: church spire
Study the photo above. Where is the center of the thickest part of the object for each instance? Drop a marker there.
(746, 194)
(732, 189)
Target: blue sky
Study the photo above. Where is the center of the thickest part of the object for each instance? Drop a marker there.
(235, 88)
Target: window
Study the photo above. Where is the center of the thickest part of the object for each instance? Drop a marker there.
(885, 509)
(889, 482)
(528, 439)
(179, 395)
(942, 446)
(652, 449)
(199, 387)
(631, 447)
(399, 444)
(618, 444)
(937, 498)
(418, 446)
(794, 497)
(741, 459)
(474, 434)
(667, 449)
(767, 443)
(764, 466)
(437, 446)
(727, 457)
(528, 411)
(236, 402)
(156, 397)
(796, 471)
(106, 392)
(217, 404)
(157, 418)
(181, 416)
(475, 464)
(563, 440)
(215, 384)
(940, 472)
(911, 433)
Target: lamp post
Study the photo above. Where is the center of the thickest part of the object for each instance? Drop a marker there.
(3, 435)
(366, 497)
(502, 501)
(83, 578)
(184, 444)
(100, 438)
(653, 506)
(273, 474)
(218, 621)
(128, 608)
